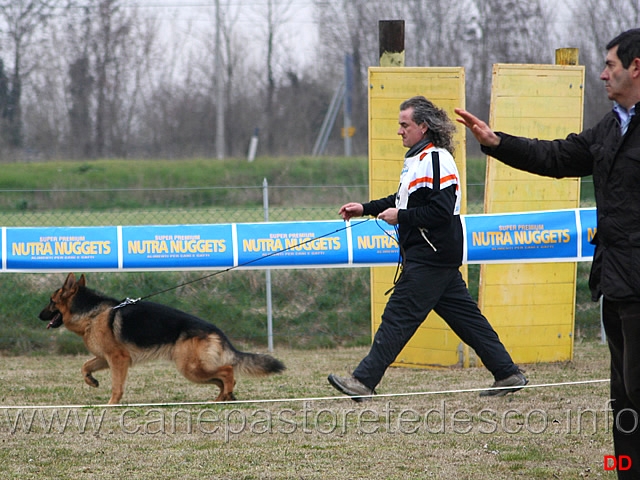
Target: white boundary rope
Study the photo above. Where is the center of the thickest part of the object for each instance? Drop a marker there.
(284, 400)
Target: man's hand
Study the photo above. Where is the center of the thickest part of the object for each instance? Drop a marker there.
(390, 215)
(484, 135)
(351, 210)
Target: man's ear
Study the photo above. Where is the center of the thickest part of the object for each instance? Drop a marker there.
(634, 68)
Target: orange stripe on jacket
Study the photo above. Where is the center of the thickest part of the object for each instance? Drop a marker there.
(429, 181)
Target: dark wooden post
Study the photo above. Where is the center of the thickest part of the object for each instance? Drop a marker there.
(391, 39)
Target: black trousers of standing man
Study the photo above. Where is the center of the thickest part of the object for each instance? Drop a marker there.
(421, 289)
(622, 325)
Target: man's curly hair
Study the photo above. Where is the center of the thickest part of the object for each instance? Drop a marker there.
(441, 128)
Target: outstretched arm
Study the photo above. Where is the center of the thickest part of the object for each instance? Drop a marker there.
(484, 135)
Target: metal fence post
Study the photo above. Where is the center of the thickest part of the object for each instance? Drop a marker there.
(265, 204)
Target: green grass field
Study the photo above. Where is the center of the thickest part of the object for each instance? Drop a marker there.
(295, 426)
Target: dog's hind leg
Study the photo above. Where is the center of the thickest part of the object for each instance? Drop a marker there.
(93, 365)
(222, 377)
(225, 381)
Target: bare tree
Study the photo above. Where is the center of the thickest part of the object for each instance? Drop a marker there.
(436, 32)
(351, 27)
(591, 34)
(272, 19)
(501, 31)
(111, 49)
(23, 21)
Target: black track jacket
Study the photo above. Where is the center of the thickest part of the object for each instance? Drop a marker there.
(428, 199)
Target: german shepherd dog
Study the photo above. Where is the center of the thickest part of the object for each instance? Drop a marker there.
(123, 334)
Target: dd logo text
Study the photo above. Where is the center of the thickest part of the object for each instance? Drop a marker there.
(621, 462)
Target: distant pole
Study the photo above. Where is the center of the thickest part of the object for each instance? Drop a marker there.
(253, 145)
(219, 84)
(391, 40)
(347, 104)
(265, 205)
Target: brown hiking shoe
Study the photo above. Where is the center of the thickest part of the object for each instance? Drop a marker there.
(351, 386)
(500, 387)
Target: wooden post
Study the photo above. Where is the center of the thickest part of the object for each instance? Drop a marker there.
(567, 56)
(391, 40)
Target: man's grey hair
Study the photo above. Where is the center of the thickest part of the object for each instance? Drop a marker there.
(441, 128)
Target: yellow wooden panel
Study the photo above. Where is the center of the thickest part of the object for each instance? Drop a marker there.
(545, 128)
(523, 315)
(548, 83)
(526, 69)
(385, 111)
(532, 294)
(414, 357)
(385, 185)
(536, 343)
(520, 273)
(381, 169)
(542, 354)
(435, 340)
(540, 190)
(545, 335)
(432, 323)
(402, 83)
(523, 108)
(383, 275)
(503, 173)
(386, 129)
(386, 149)
(515, 205)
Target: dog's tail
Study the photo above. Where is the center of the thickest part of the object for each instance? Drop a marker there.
(257, 364)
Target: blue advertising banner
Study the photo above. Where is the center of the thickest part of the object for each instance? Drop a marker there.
(60, 248)
(539, 236)
(374, 242)
(177, 246)
(587, 228)
(550, 236)
(292, 244)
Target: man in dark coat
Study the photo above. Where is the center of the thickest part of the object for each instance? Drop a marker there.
(610, 151)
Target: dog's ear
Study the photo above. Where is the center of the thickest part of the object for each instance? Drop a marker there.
(82, 282)
(69, 282)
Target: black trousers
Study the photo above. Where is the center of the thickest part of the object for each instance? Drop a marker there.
(622, 325)
(420, 289)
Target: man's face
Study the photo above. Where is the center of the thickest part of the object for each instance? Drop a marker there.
(618, 80)
(410, 131)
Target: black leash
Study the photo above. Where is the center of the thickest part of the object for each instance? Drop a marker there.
(131, 301)
(400, 264)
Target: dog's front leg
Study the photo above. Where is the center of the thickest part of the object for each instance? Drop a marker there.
(119, 362)
(90, 366)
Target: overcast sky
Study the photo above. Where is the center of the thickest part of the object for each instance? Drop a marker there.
(195, 17)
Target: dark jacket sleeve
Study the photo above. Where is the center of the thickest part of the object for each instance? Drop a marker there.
(375, 207)
(570, 157)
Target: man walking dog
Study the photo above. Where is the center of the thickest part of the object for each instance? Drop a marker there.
(426, 210)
